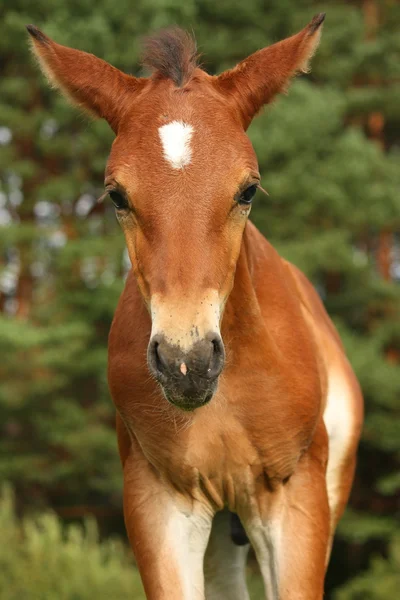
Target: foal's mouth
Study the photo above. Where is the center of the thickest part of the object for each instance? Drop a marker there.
(189, 403)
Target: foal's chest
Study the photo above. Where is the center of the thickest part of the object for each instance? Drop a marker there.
(223, 460)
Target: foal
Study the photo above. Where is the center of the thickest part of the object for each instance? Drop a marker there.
(251, 408)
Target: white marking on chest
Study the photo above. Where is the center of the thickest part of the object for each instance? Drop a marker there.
(175, 138)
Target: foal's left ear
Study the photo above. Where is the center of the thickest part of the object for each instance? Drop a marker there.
(257, 79)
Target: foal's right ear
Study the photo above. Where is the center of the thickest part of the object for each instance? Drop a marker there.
(86, 80)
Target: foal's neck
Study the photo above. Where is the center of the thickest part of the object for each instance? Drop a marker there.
(243, 305)
(263, 299)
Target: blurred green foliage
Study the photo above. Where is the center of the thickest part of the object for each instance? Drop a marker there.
(329, 156)
(382, 580)
(42, 560)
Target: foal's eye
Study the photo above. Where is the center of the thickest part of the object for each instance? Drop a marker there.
(119, 201)
(247, 195)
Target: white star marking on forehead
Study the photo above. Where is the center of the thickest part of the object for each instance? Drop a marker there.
(175, 139)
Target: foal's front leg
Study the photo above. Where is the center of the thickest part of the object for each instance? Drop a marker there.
(168, 534)
(291, 537)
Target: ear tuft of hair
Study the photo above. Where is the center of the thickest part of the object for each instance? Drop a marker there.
(316, 22)
(37, 34)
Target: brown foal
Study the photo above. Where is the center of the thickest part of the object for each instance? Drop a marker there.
(232, 389)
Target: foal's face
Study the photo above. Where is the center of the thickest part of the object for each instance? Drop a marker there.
(182, 173)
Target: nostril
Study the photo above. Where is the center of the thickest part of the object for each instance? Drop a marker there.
(217, 344)
(157, 360)
(154, 359)
(217, 358)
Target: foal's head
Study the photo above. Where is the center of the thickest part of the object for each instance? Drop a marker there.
(182, 174)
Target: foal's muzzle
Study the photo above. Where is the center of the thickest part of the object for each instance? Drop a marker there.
(188, 377)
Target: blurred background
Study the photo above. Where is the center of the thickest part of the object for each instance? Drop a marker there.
(329, 157)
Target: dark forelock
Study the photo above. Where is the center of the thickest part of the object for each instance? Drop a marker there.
(171, 53)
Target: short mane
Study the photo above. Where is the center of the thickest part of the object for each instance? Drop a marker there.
(171, 53)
